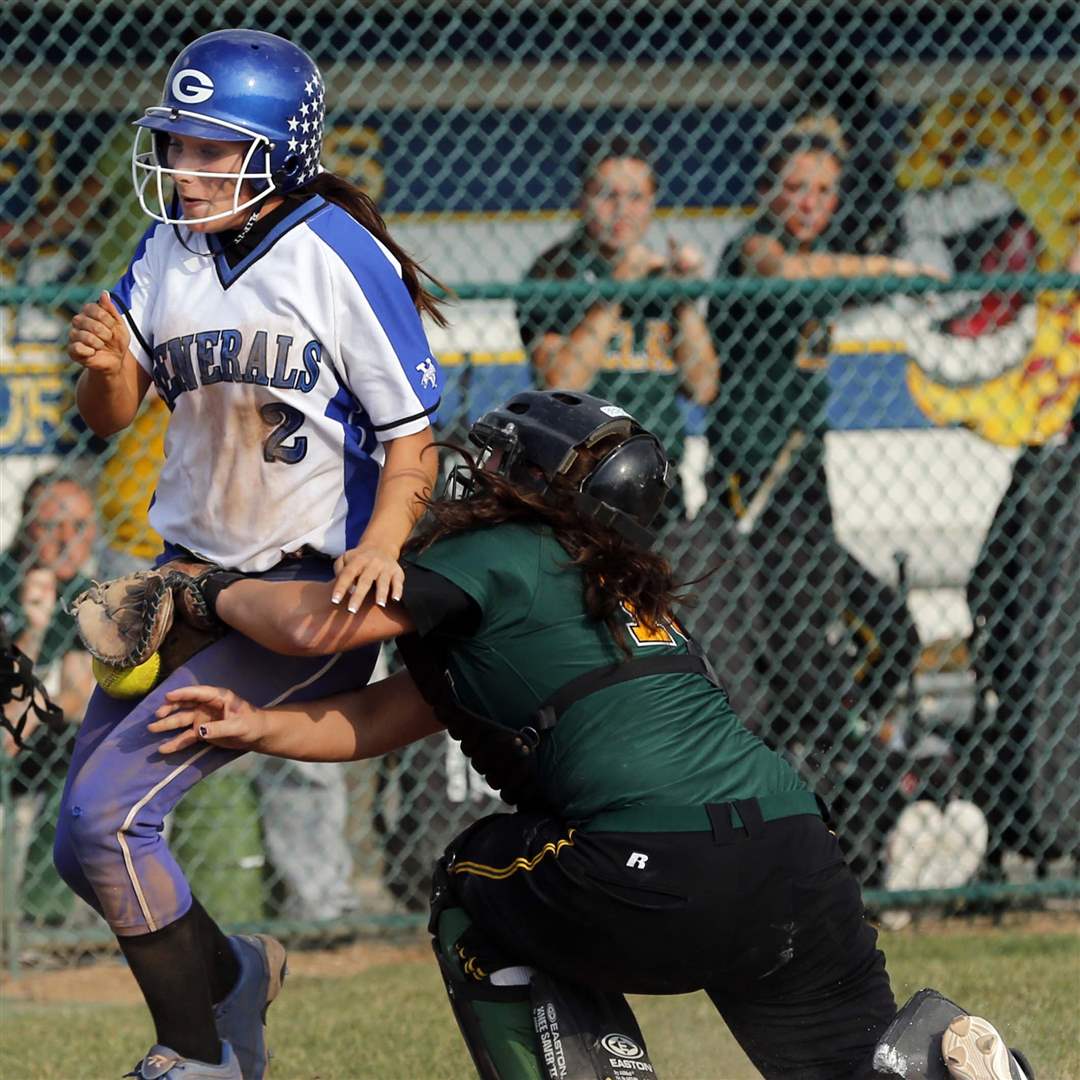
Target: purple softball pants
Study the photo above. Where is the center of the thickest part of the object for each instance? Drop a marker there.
(109, 844)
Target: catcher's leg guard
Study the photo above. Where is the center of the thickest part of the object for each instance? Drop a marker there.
(495, 1020)
(522, 1025)
(587, 1034)
(928, 1041)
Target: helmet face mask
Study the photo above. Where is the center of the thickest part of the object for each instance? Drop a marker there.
(539, 440)
(241, 86)
(149, 169)
(499, 448)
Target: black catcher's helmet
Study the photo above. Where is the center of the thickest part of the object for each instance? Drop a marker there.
(540, 433)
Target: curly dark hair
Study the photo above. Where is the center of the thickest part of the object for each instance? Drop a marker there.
(615, 570)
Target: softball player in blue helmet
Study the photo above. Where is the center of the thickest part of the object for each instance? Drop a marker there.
(280, 323)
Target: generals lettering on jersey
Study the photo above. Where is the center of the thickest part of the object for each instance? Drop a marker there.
(314, 355)
(212, 356)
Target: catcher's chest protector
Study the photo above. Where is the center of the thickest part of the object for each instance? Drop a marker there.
(505, 756)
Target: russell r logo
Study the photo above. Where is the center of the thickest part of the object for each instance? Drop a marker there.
(192, 86)
(637, 861)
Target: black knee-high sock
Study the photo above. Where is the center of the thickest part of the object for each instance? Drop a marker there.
(222, 967)
(170, 967)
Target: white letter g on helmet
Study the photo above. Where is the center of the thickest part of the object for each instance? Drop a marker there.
(192, 86)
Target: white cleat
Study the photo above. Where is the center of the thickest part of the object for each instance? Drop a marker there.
(161, 1063)
(973, 1050)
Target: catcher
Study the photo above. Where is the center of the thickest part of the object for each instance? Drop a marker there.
(658, 846)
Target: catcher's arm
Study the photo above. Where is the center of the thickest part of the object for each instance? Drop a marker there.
(124, 621)
(299, 619)
(346, 727)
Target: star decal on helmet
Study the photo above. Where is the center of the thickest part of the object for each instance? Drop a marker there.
(308, 119)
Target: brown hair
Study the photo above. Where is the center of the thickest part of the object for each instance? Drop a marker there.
(597, 152)
(358, 204)
(615, 570)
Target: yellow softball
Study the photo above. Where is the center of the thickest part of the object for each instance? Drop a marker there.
(132, 682)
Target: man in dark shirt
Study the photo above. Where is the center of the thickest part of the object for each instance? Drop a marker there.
(40, 574)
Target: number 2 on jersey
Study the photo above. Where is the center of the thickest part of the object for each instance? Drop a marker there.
(286, 421)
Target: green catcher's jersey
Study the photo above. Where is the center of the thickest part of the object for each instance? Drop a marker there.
(669, 739)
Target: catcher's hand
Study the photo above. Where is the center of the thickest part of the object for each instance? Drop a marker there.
(125, 621)
(188, 579)
(212, 714)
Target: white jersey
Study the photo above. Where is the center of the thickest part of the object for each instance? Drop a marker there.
(284, 374)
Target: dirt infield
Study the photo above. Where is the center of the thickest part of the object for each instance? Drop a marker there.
(109, 982)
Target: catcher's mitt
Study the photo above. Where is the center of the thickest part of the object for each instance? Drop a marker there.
(123, 622)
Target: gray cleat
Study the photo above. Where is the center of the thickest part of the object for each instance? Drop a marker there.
(973, 1050)
(161, 1063)
(241, 1017)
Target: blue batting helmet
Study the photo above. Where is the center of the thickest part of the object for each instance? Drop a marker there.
(243, 86)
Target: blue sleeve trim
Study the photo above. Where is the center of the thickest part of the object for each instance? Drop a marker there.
(122, 290)
(384, 291)
(361, 472)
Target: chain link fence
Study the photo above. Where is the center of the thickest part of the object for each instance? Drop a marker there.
(838, 243)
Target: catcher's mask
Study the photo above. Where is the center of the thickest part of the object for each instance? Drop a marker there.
(535, 439)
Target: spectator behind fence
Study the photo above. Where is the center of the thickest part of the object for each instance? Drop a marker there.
(651, 354)
(1024, 596)
(839, 94)
(827, 645)
(40, 572)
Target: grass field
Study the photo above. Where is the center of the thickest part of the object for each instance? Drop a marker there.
(376, 1011)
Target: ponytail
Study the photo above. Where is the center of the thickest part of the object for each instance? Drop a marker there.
(359, 205)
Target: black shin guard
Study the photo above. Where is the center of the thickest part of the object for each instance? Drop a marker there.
(911, 1045)
(587, 1034)
(910, 1049)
